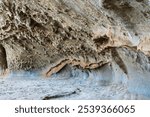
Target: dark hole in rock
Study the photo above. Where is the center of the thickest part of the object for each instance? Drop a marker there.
(101, 40)
(34, 23)
(3, 60)
(139, 0)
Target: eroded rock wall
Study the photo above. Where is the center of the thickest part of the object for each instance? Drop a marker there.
(47, 35)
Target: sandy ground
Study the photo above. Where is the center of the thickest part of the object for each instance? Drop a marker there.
(34, 88)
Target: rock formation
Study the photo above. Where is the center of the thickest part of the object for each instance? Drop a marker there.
(3, 61)
(47, 35)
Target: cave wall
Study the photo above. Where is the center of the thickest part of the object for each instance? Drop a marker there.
(47, 35)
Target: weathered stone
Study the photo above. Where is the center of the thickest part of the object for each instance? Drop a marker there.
(50, 34)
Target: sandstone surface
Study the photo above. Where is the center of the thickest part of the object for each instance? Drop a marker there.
(106, 39)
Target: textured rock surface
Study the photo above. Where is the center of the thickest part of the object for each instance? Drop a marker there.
(37, 34)
(48, 35)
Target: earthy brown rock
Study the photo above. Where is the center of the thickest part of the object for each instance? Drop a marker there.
(49, 34)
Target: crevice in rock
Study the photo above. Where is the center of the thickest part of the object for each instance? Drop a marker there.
(118, 60)
(139, 0)
(3, 60)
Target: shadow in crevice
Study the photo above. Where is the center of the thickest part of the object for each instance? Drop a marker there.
(3, 60)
